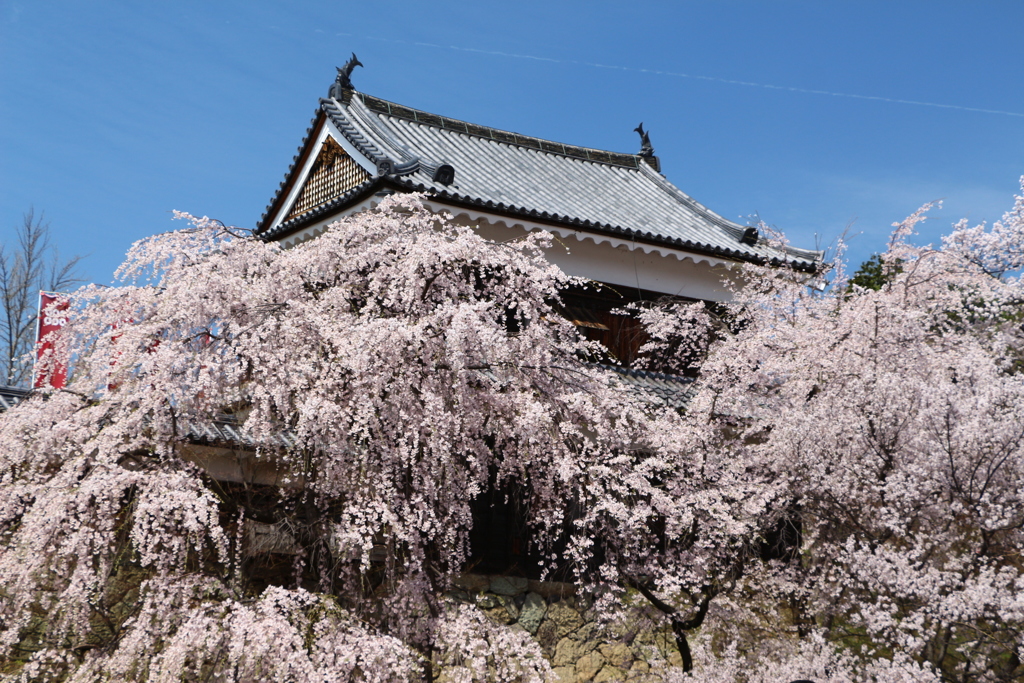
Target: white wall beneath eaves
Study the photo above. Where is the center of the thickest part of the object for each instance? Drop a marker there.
(621, 263)
(618, 262)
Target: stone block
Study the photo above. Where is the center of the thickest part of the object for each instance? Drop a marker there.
(472, 583)
(487, 601)
(587, 633)
(618, 654)
(547, 636)
(565, 674)
(532, 612)
(566, 652)
(666, 643)
(500, 615)
(588, 665)
(551, 589)
(565, 618)
(510, 605)
(508, 585)
(610, 673)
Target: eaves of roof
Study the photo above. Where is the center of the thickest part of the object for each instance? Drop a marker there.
(524, 177)
(808, 262)
(340, 203)
(373, 185)
(289, 176)
(673, 391)
(11, 396)
(222, 431)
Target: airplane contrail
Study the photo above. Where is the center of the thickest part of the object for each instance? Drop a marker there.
(729, 81)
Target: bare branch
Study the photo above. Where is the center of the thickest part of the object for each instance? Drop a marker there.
(28, 263)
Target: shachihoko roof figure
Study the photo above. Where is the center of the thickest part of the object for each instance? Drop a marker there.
(359, 146)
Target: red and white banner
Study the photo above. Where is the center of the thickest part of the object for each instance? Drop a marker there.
(53, 313)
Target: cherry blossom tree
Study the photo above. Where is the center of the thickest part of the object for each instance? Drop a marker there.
(387, 373)
(893, 416)
(841, 499)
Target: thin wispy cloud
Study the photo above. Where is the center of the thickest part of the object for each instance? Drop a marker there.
(713, 79)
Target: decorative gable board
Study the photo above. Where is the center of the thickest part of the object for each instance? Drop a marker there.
(332, 174)
(330, 166)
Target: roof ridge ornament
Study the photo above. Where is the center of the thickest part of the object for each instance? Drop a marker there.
(445, 174)
(646, 148)
(750, 236)
(344, 80)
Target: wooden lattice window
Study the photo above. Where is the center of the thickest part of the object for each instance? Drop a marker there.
(333, 174)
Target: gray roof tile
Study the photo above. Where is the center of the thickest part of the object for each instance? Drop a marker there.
(507, 172)
(224, 430)
(11, 396)
(671, 390)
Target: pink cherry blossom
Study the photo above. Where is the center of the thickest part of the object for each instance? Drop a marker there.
(841, 500)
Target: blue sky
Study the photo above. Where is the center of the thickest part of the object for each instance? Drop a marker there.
(813, 115)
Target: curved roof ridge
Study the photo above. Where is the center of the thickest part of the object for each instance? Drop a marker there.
(288, 175)
(600, 156)
(718, 219)
(404, 158)
(585, 189)
(354, 133)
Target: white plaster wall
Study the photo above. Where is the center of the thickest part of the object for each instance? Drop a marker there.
(615, 261)
(577, 254)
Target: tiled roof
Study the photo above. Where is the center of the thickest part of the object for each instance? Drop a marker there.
(11, 396)
(672, 390)
(508, 173)
(223, 431)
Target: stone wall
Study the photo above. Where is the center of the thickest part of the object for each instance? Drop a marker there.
(564, 624)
